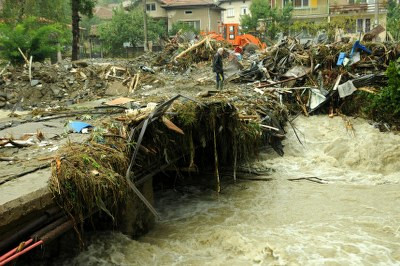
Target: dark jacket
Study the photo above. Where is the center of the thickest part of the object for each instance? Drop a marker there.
(217, 63)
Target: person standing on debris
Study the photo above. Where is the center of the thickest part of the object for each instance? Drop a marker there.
(218, 68)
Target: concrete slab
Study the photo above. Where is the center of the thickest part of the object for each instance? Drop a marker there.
(24, 195)
(50, 129)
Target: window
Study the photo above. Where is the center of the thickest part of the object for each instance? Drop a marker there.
(363, 25)
(230, 12)
(367, 25)
(244, 10)
(194, 23)
(231, 32)
(300, 3)
(151, 7)
(188, 12)
(360, 24)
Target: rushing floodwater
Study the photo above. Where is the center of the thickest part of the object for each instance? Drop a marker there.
(354, 219)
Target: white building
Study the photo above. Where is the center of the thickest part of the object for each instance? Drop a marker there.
(234, 9)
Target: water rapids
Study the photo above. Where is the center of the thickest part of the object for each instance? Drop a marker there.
(351, 219)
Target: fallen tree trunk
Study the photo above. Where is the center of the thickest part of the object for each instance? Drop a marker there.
(191, 48)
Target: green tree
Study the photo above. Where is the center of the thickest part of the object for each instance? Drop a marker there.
(84, 7)
(128, 27)
(275, 19)
(17, 10)
(33, 37)
(393, 18)
(106, 2)
(309, 26)
(88, 22)
(182, 27)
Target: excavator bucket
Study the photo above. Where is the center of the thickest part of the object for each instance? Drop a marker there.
(246, 39)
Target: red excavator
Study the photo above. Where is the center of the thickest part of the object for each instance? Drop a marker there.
(230, 33)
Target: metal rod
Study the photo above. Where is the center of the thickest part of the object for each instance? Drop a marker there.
(11, 252)
(29, 228)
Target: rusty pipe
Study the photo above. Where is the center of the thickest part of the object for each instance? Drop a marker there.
(49, 227)
(29, 228)
(57, 231)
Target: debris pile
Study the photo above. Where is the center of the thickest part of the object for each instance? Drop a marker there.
(89, 178)
(180, 55)
(66, 83)
(323, 70)
(182, 133)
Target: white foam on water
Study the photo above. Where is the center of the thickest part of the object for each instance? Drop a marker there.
(334, 153)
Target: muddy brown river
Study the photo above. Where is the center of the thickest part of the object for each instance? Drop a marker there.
(351, 219)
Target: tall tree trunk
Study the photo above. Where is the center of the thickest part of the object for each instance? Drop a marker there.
(75, 29)
(145, 26)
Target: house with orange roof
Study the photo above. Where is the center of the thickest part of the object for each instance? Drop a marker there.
(204, 15)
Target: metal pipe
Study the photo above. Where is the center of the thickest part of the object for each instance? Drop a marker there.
(29, 228)
(57, 231)
(11, 252)
(48, 228)
(4, 262)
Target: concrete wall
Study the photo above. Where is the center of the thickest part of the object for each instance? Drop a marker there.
(237, 9)
(215, 18)
(159, 12)
(208, 17)
(135, 218)
(317, 9)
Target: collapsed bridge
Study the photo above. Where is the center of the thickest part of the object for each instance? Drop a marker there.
(108, 177)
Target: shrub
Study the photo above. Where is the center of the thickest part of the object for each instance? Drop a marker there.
(385, 105)
(32, 37)
(128, 27)
(183, 27)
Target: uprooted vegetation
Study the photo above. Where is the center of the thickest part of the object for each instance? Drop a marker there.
(200, 136)
(90, 177)
(178, 55)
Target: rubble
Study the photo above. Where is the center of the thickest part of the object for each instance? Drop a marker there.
(160, 112)
(67, 83)
(180, 132)
(180, 56)
(291, 68)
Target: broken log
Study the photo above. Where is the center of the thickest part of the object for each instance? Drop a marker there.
(282, 81)
(136, 82)
(23, 55)
(190, 48)
(30, 68)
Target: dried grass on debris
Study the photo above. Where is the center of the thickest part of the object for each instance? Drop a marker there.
(90, 177)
